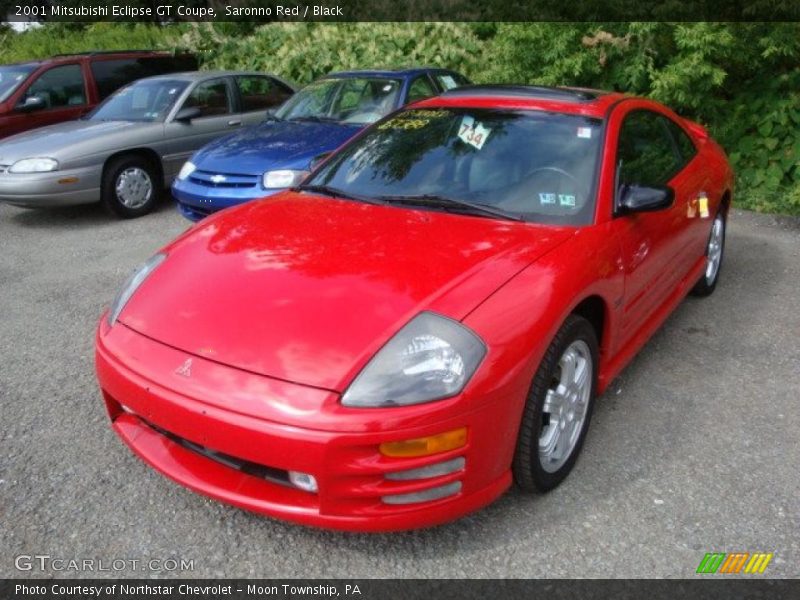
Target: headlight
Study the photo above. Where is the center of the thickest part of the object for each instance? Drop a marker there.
(187, 169)
(283, 178)
(431, 358)
(131, 285)
(34, 165)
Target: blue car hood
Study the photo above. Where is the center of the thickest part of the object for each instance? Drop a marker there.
(273, 145)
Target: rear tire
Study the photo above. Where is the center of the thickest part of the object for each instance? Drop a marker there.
(130, 186)
(715, 249)
(559, 408)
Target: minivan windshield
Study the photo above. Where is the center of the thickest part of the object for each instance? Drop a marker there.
(146, 100)
(11, 77)
(532, 165)
(357, 100)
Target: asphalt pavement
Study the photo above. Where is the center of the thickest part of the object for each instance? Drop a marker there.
(694, 449)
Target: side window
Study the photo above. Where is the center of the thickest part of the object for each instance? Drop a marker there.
(211, 97)
(260, 93)
(448, 81)
(60, 87)
(645, 150)
(420, 88)
(686, 146)
(110, 75)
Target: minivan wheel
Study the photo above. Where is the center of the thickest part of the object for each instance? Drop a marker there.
(559, 408)
(130, 186)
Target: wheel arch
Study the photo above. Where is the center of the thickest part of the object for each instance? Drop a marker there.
(147, 153)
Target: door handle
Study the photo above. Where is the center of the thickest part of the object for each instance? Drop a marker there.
(234, 123)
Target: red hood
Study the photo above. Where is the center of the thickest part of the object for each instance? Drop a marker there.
(306, 289)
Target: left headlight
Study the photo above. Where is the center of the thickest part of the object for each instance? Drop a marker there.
(283, 178)
(34, 165)
(431, 358)
(132, 284)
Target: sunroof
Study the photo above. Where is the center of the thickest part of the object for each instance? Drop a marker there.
(527, 91)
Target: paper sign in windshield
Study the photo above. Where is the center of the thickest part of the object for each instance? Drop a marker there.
(472, 132)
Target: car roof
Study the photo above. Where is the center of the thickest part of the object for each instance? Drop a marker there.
(71, 56)
(192, 76)
(584, 101)
(390, 72)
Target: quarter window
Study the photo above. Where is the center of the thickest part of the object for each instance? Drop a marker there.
(60, 87)
(261, 93)
(686, 147)
(211, 98)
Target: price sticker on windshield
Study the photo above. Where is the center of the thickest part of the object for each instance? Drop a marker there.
(473, 132)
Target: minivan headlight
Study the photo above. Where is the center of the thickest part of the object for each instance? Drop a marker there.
(283, 178)
(431, 358)
(34, 165)
(132, 284)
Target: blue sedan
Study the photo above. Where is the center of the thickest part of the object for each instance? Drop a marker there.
(279, 153)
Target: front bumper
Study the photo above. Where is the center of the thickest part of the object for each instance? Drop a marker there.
(178, 425)
(56, 188)
(196, 201)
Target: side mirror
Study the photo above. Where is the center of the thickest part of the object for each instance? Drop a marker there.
(318, 160)
(185, 115)
(639, 198)
(31, 103)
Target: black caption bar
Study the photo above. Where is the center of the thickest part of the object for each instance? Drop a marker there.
(400, 10)
(369, 589)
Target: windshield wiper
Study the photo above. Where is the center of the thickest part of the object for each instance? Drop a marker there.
(315, 119)
(333, 192)
(437, 201)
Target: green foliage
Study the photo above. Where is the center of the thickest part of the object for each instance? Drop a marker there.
(302, 52)
(742, 80)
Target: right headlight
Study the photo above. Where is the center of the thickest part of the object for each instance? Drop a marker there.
(431, 358)
(187, 169)
(131, 285)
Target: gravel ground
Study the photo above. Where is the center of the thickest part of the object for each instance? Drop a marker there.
(695, 449)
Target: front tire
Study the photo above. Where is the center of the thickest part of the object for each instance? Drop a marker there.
(559, 408)
(715, 248)
(130, 187)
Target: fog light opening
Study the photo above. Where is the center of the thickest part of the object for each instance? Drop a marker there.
(443, 491)
(437, 470)
(304, 481)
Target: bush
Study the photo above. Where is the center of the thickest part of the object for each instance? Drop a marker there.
(742, 80)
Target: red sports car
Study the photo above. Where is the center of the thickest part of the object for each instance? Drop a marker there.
(428, 318)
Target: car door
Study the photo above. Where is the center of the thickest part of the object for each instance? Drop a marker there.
(652, 242)
(214, 99)
(257, 94)
(63, 95)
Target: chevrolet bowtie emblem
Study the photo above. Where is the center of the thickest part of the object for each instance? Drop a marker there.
(218, 178)
(185, 369)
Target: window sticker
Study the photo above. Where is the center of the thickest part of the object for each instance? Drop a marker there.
(473, 132)
(547, 198)
(566, 200)
(448, 82)
(585, 132)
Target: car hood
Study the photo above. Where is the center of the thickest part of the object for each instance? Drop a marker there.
(306, 288)
(273, 144)
(69, 139)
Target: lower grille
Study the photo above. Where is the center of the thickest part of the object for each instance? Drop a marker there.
(250, 468)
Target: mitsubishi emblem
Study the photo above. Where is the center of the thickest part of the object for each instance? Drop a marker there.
(185, 369)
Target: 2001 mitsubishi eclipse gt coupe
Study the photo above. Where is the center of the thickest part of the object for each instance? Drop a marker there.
(425, 320)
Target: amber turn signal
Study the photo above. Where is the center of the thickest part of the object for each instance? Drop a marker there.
(425, 446)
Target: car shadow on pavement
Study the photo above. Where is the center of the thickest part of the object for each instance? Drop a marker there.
(73, 216)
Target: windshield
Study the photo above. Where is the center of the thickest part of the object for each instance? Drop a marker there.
(141, 101)
(11, 77)
(535, 165)
(358, 100)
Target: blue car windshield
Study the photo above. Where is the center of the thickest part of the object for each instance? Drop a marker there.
(141, 101)
(356, 100)
(531, 165)
(11, 77)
